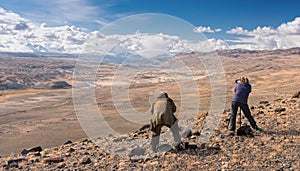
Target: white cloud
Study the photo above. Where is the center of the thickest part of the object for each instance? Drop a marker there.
(265, 31)
(218, 44)
(203, 29)
(289, 28)
(218, 30)
(238, 30)
(19, 34)
(287, 35)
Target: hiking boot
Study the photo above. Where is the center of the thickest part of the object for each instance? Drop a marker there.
(179, 147)
(259, 129)
(154, 149)
(230, 133)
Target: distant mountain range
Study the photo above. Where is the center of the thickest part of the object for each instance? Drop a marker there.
(120, 57)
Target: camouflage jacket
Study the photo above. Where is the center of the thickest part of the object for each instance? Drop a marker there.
(162, 111)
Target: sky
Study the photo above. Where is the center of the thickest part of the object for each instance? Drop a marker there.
(66, 26)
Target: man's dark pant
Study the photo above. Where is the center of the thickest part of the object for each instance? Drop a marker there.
(156, 134)
(246, 111)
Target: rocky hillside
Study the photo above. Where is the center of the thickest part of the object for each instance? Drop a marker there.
(276, 148)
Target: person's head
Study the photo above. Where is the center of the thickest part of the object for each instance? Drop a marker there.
(163, 95)
(244, 79)
(157, 94)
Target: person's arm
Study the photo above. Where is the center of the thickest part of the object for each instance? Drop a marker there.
(234, 90)
(152, 108)
(250, 88)
(173, 107)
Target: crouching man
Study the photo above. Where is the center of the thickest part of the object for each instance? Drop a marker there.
(162, 110)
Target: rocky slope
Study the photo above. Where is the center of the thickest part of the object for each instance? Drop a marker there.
(276, 148)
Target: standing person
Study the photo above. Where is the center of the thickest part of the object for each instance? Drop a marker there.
(240, 99)
(162, 110)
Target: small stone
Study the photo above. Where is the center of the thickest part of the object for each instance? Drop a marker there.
(192, 146)
(14, 164)
(260, 112)
(71, 150)
(119, 139)
(61, 165)
(226, 111)
(47, 151)
(216, 147)
(120, 149)
(85, 160)
(261, 107)
(187, 133)
(4, 164)
(197, 133)
(24, 152)
(279, 110)
(202, 146)
(54, 160)
(263, 102)
(193, 137)
(155, 163)
(34, 154)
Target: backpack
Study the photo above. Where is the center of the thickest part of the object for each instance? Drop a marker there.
(245, 130)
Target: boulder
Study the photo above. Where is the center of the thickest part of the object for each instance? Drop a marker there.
(68, 142)
(137, 152)
(17, 160)
(36, 149)
(31, 150)
(296, 95)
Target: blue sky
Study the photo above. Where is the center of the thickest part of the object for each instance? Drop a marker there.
(224, 14)
(231, 21)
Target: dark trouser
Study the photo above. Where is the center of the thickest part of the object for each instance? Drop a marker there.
(246, 111)
(156, 134)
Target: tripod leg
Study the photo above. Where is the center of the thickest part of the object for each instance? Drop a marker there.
(240, 113)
